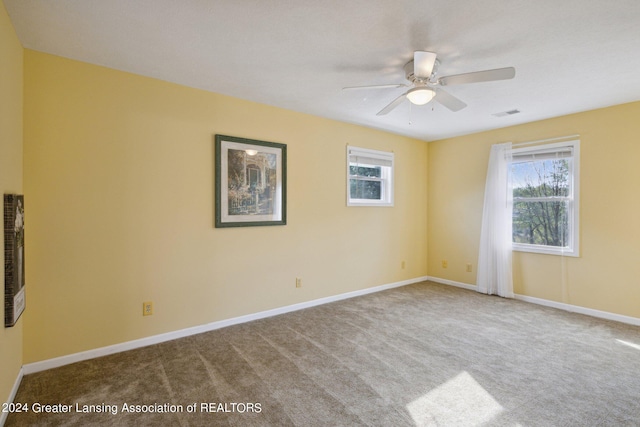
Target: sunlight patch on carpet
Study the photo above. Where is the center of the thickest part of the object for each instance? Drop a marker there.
(459, 401)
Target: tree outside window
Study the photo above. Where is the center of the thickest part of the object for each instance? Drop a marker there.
(540, 211)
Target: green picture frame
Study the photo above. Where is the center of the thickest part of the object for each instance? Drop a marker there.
(251, 182)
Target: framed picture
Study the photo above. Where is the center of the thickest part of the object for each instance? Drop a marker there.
(14, 301)
(251, 182)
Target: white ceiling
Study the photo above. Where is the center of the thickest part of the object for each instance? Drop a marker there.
(569, 55)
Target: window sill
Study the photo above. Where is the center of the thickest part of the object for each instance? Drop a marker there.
(546, 250)
(382, 204)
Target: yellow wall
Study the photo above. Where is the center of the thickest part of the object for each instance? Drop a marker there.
(605, 276)
(10, 180)
(119, 180)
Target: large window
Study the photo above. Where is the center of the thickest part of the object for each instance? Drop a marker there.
(545, 183)
(370, 177)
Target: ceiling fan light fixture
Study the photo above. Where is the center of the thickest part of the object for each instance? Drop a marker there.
(420, 95)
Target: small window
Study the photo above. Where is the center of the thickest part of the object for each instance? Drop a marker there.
(370, 177)
(545, 198)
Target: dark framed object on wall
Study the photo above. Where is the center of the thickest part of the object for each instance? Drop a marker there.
(14, 298)
(251, 182)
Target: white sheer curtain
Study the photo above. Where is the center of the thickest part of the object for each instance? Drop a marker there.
(494, 260)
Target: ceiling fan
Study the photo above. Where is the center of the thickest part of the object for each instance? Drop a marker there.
(425, 86)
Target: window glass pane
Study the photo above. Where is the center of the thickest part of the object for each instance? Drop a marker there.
(546, 178)
(371, 171)
(362, 189)
(541, 223)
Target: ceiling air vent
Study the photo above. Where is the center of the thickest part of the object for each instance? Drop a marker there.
(507, 113)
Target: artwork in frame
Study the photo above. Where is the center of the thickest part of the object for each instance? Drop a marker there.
(251, 182)
(14, 300)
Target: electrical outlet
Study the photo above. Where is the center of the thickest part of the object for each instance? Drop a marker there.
(469, 268)
(147, 308)
(445, 264)
(298, 282)
(403, 264)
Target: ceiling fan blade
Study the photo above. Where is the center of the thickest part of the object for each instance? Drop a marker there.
(375, 86)
(393, 104)
(423, 63)
(478, 76)
(448, 100)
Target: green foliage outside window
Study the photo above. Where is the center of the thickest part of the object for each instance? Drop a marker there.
(362, 186)
(540, 202)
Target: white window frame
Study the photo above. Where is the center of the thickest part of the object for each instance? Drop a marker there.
(368, 157)
(573, 198)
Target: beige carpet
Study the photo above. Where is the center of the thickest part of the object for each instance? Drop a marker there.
(425, 354)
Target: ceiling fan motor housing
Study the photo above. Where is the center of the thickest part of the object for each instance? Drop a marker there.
(409, 69)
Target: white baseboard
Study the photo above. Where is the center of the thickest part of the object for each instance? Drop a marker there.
(452, 283)
(581, 310)
(12, 395)
(548, 303)
(30, 368)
